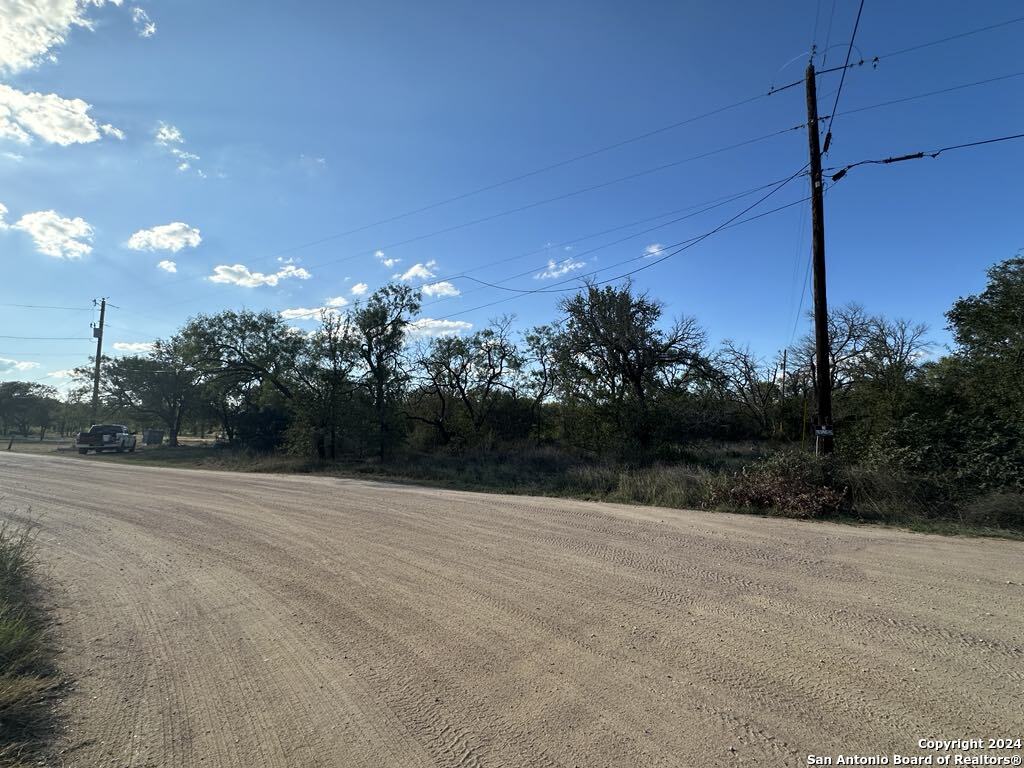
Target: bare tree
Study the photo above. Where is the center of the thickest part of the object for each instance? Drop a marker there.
(750, 383)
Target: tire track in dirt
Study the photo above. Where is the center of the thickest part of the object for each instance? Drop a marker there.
(220, 619)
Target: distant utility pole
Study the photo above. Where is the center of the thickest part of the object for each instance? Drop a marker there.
(823, 442)
(97, 331)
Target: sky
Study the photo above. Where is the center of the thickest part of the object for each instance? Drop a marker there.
(185, 156)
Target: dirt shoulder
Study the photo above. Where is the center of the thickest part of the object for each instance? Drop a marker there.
(216, 618)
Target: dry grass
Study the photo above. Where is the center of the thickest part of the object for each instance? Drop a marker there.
(699, 478)
(27, 678)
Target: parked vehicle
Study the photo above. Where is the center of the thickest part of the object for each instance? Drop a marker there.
(106, 437)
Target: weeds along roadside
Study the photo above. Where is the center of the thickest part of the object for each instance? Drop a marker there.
(28, 678)
(728, 477)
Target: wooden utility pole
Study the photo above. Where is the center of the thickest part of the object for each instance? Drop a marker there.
(97, 331)
(823, 441)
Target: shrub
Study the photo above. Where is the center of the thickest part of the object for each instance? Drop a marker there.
(791, 483)
(996, 510)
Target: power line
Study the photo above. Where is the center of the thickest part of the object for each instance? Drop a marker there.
(520, 177)
(928, 94)
(48, 338)
(892, 54)
(694, 240)
(545, 201)
(704, 208)
(37, 354)
(44, 306)
(923, 154)
(828, 35)
(689, 244)
(648, 171)
(953, 37)
(842, 79)
(714, 204)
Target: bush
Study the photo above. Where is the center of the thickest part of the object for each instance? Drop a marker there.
(996, 510)
(790, 483)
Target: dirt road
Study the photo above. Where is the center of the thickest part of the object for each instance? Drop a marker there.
(217, 619)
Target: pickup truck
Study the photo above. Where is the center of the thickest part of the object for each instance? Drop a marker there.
(106, 437)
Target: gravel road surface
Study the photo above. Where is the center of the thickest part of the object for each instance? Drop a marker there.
(221, 619)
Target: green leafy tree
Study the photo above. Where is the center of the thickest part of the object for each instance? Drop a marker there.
(614, 357)
(162, 386)
(324, 380)
(379, 330)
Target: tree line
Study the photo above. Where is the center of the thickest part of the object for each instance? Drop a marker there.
(611, 376)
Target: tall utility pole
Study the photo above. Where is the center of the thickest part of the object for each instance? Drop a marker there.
(97, 331)
(823, 442)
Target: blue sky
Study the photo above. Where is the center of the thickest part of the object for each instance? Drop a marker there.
(232, 142)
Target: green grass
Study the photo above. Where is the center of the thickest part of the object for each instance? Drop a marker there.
(27, 677)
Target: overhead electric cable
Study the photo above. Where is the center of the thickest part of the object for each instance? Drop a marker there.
(44, 306)
(48, 338)
(707, 206)
(693, 241)
(929, 94)
(537, 203)
(923, 154)
(842, 79)
(874, 60)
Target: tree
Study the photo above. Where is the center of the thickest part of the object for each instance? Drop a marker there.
(750, 383)
(379, 331)
(163, 385)
(323, 373)
(247, 360)
(988, 329)
(25, 404)
(849, 330)
(471, 371)
(890, 361)
(255, 345)
(612, 355)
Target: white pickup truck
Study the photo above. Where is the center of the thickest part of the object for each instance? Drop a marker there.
(106, 437)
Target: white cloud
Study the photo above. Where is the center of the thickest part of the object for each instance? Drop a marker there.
(57, 236)
(427, 326)
(305, 313)
(31, 28)
(170, 138)
(110, 130)
(67, 373)
(49, 117)
(653, 250)
(166, 237)
(443, 288)
(387, 262)
(3, 212)
(13, 156)
(167, 265)
(135, 347)
(185, 160)
(143, 24)
(360, 289)
(239, 274)
(336, 301)
(167, 134)
(418, 272)
(10, 366)
(558, 269)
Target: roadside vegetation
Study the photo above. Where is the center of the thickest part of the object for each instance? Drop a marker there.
(27, 677)
(611, 400)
